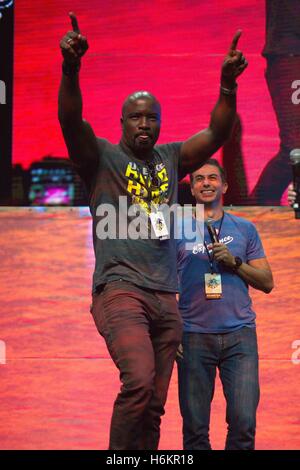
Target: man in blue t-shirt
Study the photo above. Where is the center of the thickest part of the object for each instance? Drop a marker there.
(219, 322)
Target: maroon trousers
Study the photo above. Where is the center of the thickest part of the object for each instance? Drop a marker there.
(142, 329)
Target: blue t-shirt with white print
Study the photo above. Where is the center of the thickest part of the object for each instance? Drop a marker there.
(234, 309)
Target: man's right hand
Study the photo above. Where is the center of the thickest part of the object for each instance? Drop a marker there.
(291, 194)
(73, 45)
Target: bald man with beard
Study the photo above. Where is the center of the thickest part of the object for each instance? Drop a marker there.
(135, 282)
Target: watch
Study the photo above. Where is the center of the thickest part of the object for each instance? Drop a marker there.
(238, 262)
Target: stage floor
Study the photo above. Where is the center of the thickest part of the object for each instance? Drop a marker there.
(58, 382)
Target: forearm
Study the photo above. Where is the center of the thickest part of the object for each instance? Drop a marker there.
(260, 279)
(256, 272)
(70, 101)
(78, 134)
(201, 146)
(223, 116)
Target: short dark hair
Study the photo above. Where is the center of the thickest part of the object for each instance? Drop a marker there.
(213, 162)
(139, 95)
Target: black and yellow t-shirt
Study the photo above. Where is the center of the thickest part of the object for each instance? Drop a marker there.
(146, 262)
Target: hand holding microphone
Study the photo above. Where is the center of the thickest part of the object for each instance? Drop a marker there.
(220, 251)
(212, 231)
(294, 191)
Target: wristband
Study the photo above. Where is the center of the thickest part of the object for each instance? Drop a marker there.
(228, 91)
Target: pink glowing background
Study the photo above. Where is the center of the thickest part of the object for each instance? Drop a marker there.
(173, 48)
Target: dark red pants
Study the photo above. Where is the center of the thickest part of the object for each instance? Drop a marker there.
(142, 329)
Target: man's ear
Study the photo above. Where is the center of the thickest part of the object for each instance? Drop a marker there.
(121, 122)
(225, 187)
(192, 190)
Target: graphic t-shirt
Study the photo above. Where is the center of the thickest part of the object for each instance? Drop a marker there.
(146, 262)
(234, 309)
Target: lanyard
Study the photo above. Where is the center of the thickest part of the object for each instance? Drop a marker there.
(211, 257)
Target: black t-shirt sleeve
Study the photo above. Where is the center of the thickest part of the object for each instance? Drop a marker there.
(174, 149)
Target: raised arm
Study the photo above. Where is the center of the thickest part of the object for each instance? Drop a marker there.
(78, 134)
(201, 146)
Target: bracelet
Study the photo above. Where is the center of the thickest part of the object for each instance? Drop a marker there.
(70, 69)
(228, 91)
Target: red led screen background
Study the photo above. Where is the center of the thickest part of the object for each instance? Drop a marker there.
(58, 382)
(172, 48)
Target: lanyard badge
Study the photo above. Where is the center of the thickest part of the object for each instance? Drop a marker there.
(212, 280)
(213, 286)
(159, 225)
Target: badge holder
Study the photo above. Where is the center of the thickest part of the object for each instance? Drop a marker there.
(213, 286)
(212, 281)
(159, 225)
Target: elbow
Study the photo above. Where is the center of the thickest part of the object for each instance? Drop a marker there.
(220, 137)
(69, 124)
(268, 287)
(61, 118)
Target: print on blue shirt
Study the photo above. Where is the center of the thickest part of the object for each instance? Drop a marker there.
(234, 309)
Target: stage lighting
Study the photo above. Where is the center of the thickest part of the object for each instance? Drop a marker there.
(53, 182)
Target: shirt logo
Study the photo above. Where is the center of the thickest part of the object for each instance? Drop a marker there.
(200, 248)
(140, 185)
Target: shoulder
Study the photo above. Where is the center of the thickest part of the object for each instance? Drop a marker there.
(171, 149)
(104, 144)
(239, 221)
(244, 226)
(108, 152)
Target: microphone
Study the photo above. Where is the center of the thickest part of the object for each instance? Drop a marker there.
(295, 161)
(211, 229)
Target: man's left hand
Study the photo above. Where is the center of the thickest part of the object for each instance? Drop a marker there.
(234, 63)
(223, 255)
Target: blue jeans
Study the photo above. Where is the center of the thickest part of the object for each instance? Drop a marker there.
(235, 355)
